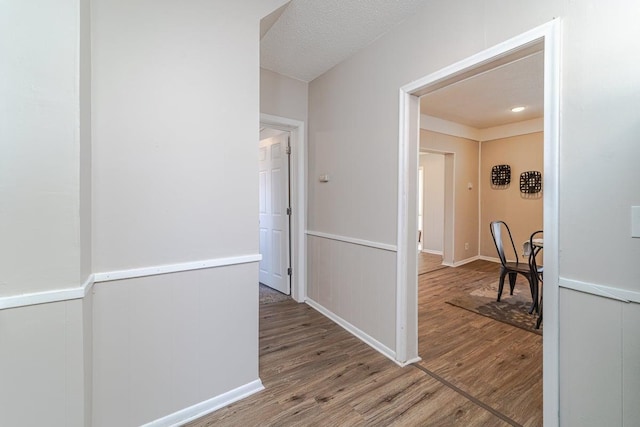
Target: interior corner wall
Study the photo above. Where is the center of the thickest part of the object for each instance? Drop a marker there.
(42, 345)
(175, 185)
(465, 202)
(522, 212)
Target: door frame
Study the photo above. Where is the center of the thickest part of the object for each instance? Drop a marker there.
(548, 38)
(298, 249)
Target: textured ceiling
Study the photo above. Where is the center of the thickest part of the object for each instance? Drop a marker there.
(312, 36)
(306, 38)
(486, 100)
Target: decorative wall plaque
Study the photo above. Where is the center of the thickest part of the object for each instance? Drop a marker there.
(500, 175)
(530, 182)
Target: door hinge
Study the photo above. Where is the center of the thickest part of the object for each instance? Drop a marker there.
(288, 151)
(288, 211)
(289, 271)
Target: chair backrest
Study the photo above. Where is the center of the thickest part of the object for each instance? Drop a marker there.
(496, 233)
(534, 250)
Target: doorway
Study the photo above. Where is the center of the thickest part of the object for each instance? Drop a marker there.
(274, 153)
(297, 194)
(546, 39)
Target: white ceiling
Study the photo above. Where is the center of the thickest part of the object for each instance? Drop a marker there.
(306, 38)
(312, 36)
(486, 100)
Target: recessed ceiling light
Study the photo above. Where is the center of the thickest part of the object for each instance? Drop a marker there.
(517, 109)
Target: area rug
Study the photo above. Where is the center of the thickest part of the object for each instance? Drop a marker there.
(512, 309)
(269, 296)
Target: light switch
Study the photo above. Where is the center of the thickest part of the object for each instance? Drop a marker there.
(324, 178)
(635, 221)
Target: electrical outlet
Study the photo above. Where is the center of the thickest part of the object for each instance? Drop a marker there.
(466, 246)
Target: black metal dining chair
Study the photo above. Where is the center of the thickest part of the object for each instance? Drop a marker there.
(537, 271)
(512, 268)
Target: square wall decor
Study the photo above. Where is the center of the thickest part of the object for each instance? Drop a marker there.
(530, 182)
(500, 175)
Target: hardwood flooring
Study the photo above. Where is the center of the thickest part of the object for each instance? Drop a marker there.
(475, 371)
(499, 364)
(428, 263)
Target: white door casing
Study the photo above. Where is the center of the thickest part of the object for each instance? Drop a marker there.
(547, 36)
(274, 221)
(298, 190)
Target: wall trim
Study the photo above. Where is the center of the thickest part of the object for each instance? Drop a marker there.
(432, 252)
(358, 333)
(208, 406)
(489, 258)
(463, 262)
(610, 292)
(175, 268)
(78, 292)
(435, 124)
(45, 297)
(361, 242)
(513, 129)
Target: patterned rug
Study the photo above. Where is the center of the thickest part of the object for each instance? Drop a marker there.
(512, 309)
(269, 296)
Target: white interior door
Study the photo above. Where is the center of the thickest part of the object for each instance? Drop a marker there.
(274, 220)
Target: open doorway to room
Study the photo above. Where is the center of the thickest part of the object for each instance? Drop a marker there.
(294, 133)
(435, 209)
(459, 317)
(471, 350)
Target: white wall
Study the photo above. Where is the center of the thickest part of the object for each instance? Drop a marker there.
(44, 138)
(283, 96)
(353, 109)
(40, 248)
(175, 176)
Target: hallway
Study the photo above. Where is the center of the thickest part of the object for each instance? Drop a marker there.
(475, 371)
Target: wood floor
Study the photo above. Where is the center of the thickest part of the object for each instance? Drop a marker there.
(475, 371)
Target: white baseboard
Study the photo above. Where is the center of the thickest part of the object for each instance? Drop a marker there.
(410, 361)
(466, 261)
(490, 259)
(463, 262)
(430, 251)
(208, 406)
(367, 339)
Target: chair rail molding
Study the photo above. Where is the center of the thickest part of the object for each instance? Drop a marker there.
(604, 291)
(79, 292)
(353, 240)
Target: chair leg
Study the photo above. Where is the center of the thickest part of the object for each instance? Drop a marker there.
(533, 285)
(512, 281)
(539, 321)
(503, 273)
